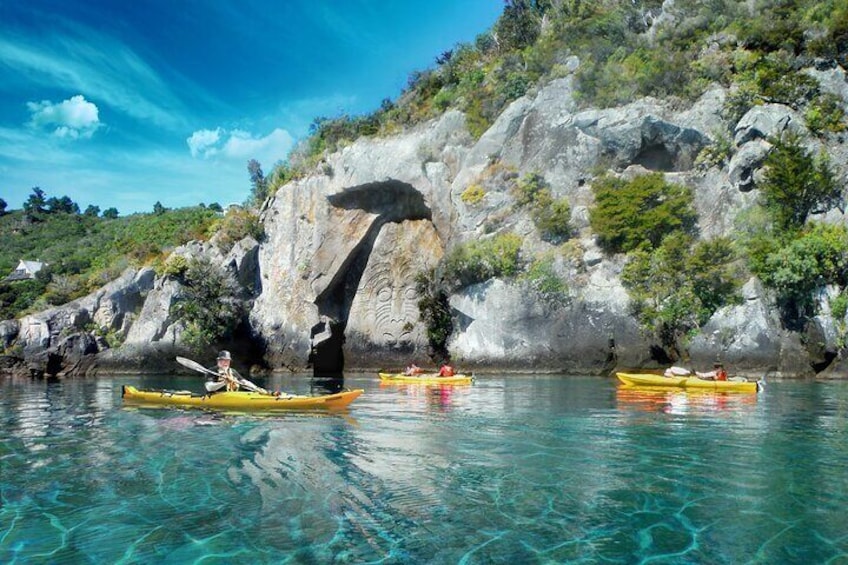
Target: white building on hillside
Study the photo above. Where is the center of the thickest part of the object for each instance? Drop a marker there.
(25, 271)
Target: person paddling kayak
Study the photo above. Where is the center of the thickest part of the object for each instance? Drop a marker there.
(227, 379)
(717, 374)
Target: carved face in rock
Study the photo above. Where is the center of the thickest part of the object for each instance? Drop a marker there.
(386, 304)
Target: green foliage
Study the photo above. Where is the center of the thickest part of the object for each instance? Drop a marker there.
(551, 216)
(19, 297)
(519, 24)
(434, 310)
(479, 261)
(716, 153)
(825, 114)
(209, 306)
(640, 212)
(804, 262)
(473, 195)
(839, 306)
(796, 184)
(675, 288)
(544, 281)
(258, 183)
(235, 226)
(838, 310)
(83, 252)
(175, 266)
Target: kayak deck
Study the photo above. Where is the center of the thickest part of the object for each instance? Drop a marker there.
(646, 379)
(425, 378)
(239, 400)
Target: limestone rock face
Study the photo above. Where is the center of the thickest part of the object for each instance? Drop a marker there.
(332, 284)
(55, 341)
(344, 245)
(747, 337)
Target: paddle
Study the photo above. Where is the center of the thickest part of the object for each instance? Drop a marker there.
(195, 366)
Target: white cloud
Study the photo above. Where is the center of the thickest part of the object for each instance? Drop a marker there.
(203, 142)
(73, 118)
(98, 65)
(241, 145)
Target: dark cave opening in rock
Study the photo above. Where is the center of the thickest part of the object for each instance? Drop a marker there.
(656, 158)
(394, 202)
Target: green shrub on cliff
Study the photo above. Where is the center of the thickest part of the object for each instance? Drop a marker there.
(209, 306)
(434, 310)
(796, 184)
(825, 114)
(550, 215)
(798, 265)
(234, 226)
(675, 288)
(630, 214)
(478, 261)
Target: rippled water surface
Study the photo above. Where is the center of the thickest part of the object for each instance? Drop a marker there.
(512, 469)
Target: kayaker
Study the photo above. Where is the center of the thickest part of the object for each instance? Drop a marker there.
(717, 374)
(413, 369)
(446, 371)
(228, 378)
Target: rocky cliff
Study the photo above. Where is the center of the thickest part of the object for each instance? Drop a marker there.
(333, 283)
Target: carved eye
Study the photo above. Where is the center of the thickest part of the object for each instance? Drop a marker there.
(410, 293)
(384, 294)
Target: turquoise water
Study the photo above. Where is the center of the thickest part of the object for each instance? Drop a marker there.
(513, 469)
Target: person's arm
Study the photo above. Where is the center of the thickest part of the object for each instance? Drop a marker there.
(213, 386)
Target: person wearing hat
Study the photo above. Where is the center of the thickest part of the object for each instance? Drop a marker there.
(228, 378)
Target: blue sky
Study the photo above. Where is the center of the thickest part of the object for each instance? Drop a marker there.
(125, 103)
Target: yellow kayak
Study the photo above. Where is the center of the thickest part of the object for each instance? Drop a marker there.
(426, 378)
(240, 400)
(645, 379)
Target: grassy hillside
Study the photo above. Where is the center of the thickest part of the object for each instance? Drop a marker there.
(84, 251)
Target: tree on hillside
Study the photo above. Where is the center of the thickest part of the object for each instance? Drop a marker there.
(259, 186)
(92, 210)
(110, 213)
(158, 209)
(796, 184)
(2, 206)
(63, 204)
(519, 24)
(35, 203)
